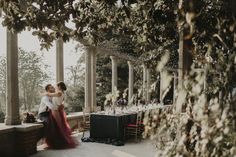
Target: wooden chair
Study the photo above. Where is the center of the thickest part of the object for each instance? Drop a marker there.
(135, 130)
(85, 124)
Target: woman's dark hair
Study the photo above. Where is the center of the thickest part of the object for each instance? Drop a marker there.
(62, 85)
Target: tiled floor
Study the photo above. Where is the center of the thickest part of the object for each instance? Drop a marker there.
(130, 149)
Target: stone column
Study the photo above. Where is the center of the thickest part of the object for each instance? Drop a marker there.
(88, 79)
(175, 78)
(59, 60)
(186, 47)
(93, 79)
(185, 57)
(114, 74)
(144, 81)
(131, 81)
(12, 93)
(161, 88)
(148, 93)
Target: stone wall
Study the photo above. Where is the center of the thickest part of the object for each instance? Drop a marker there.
(19, 141)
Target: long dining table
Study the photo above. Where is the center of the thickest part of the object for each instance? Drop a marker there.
(110, 127)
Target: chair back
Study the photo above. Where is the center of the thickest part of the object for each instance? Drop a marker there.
(139, 117)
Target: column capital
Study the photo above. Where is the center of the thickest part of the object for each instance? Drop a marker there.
(114, 58)
(60, 40)
(94, 52)
(130, 63)
(91, 49)
(144, 65)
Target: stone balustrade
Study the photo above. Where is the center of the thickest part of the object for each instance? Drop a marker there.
(23, 138)
(19, 140)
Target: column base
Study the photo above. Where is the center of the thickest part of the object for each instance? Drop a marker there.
(20, 140)
(87, 110)
(12, 121)
(94, 109)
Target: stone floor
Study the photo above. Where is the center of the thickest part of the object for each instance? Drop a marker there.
(130, 149)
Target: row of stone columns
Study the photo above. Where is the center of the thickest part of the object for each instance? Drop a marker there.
(146, 79)
(115, 77)
(90, 80)
(12, 115)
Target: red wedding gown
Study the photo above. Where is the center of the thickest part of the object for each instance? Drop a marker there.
(58, 134)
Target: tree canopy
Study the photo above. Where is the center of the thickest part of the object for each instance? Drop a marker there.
(148, 24)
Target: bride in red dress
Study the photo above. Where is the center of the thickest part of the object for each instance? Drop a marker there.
(59, 132)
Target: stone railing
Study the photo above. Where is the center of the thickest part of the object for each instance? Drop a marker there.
(19, 140)
(75, 120)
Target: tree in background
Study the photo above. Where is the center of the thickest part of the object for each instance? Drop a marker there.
(104, 73)
(2, 88)
(104, 77)
(75, 83)
(2, 83)
(32, 76)
(75, 93)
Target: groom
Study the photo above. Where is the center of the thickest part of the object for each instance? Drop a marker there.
(46, 105)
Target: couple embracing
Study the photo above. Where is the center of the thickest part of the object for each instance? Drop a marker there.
(51, 111)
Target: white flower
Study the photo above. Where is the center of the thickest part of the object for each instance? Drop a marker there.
(209, 59)
(108, 96)
(196, 89)
(219, 124)
(218, 139)
(226, 130)
(233, 151)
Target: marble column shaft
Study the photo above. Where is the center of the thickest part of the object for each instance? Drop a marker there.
(93, 79)
(12, 93)
(144, 81)
(175, 78)
(88, 79)
(131, 81)
(114, 74)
